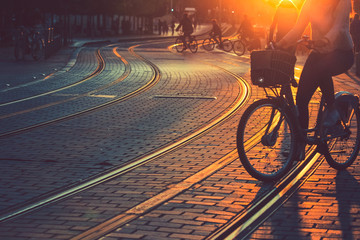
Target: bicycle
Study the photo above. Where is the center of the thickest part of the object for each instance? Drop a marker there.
(269, 132)
(242, 44)
(210, 42)
(190, 43)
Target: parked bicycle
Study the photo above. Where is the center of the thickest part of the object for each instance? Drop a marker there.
(210, 43)
(241, 45)
(28, 42)
(190, 43)
(269, 131)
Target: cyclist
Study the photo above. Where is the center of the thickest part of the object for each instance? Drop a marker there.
(216, 32)
(187, 28)
(332, 56)
(247, 33)
(246, 29)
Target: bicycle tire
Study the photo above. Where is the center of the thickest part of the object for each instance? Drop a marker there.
(344, 150)
(193, 45)
(266, 161)
(239, 48)
(179, 45)
(208, 44)
(227, 45)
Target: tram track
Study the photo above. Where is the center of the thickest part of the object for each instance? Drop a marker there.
(243, 223)
(97, 71)
(240, 225)
(155, 78)
(241, 98)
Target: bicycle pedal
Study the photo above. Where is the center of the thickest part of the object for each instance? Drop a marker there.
(336, 131)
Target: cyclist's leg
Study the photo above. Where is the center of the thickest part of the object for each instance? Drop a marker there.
(183, 39)
(187, 36)
(215, 37)
(307, 87)
(220, 40)
(318, 71)
(332, 64)
(324, 67)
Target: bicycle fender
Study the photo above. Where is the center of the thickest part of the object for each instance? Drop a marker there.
(344, 97)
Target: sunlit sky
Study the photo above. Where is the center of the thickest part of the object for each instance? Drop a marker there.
(260, 11)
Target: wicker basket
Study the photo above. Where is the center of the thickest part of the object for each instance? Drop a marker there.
(271, 68)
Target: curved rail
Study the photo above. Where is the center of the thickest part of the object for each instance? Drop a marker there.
(124, 75)
(242, 97)
(247, 221)
(97, 71)
(143, 88)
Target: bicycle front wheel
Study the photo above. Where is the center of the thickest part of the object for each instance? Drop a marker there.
(193, 45)
(239, 48)
(266, 140)
(179, 45)
(208, 44)
(227, 45)
(345, 148)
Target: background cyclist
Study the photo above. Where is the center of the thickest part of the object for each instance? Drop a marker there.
(216, 32)
(187, 28)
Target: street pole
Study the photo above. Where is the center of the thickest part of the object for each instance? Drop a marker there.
(220, 9)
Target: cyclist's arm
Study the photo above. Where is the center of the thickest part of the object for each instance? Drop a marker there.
(273, 26)
(341, 22)
(296, 32)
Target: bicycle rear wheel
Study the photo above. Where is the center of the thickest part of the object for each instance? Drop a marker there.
(208, 44)
(345, 148)
(227, 45)
(193, 45)
(266, 140)
(179, 45)
(239, 48)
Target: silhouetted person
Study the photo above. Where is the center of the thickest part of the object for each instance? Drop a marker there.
(159, 26)
(246, 29)
(165, 28)
(216, 32)
(186, 26)
(355, 32)
(172, 27)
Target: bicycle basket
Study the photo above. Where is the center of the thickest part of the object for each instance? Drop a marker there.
(271, 68)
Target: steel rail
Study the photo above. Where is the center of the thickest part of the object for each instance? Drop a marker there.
(89, 182)
(146, 206)
(240, 100)
(97, 71)
(81, 186)
(154, 80)
(247, 221)
(123, 76)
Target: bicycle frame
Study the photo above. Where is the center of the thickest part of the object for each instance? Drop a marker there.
(284, 95)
